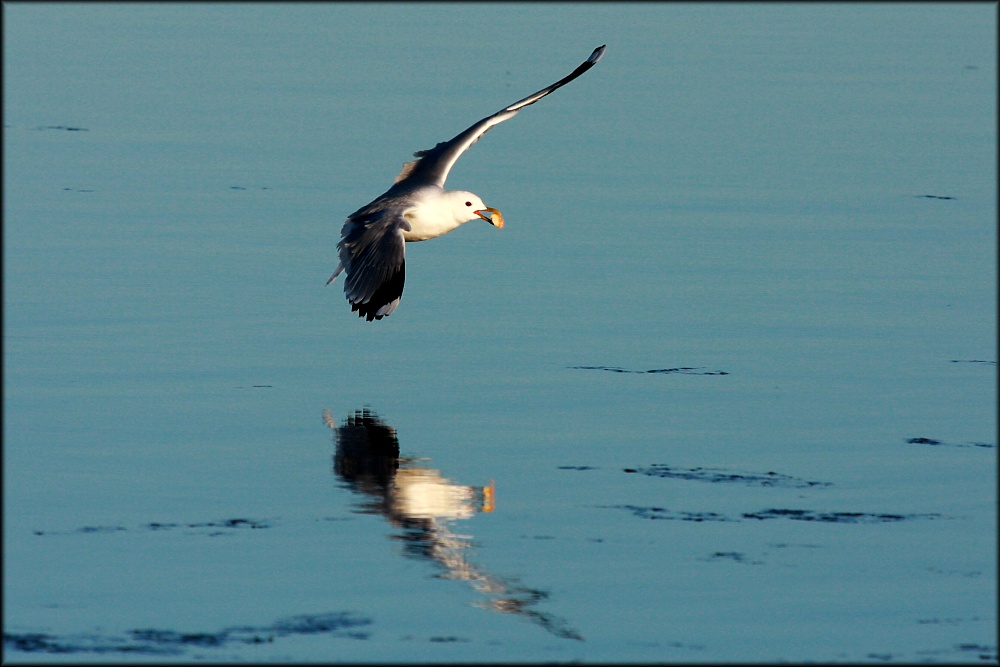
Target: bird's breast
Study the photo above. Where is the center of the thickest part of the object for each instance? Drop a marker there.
(423, 227)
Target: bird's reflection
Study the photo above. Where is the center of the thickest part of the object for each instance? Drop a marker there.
(424, 504)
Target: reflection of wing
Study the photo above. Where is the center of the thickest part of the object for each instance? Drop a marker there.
(365, 434)
(433, 165)
(424, 504)
(367, 455)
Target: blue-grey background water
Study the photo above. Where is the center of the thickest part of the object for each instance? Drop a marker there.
(788, 212)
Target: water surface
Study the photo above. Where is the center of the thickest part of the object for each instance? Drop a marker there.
(723, 388)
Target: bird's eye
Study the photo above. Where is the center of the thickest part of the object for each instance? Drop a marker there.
(468, 203)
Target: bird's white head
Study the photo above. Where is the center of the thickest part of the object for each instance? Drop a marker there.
(466, 206)
(437, 213)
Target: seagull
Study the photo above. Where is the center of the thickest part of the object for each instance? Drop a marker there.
(417, 208)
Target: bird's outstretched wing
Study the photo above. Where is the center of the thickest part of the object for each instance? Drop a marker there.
(372, 253)
(433, 165)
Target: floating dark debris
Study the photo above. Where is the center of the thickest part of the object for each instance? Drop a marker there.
(65, 128)
(720, 475)
(253, 524)
(37, 642)
(935, 197)
(834, 517)
(663, 514)
(84, 529)
(100, 529)
(170, 642)
(734, 556)
(934, 443)
(684, 370)
(949, 621)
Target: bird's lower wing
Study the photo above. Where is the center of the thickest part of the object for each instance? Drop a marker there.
(434, 164)
(372, 253)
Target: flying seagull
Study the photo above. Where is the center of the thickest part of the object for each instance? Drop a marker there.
(417, 208)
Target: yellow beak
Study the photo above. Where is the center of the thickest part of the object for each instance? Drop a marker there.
(489, 497)
(495, 218)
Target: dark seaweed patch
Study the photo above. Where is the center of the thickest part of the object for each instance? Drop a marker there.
(161, 526)
(65, 128)
(84, 529)
(719, 475)
(313, 624)
(238, 523)
(959, 652)
(188, 638)
(971, 574)
(693, 647)
(934, 443)
(975, 647)
(576, 468)
(100, 529)
(734, 556)
(833, 517)
(948, 621)
(170, 642)
(686, 370)
(45, 643)
(663, 514)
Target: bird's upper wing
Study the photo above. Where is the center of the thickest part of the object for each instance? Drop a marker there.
(433, 165)
(372, 254)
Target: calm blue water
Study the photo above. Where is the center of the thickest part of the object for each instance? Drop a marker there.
(723, 388)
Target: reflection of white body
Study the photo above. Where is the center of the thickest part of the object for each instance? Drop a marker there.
(422, 493)
(425, 504)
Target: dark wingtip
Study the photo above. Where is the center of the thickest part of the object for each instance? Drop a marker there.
(388, 292)
(366, 311)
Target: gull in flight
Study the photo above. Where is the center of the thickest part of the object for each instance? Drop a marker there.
(417, 208)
